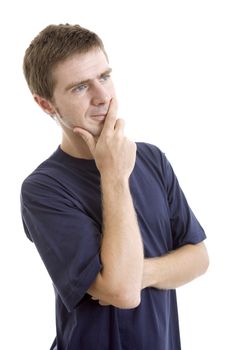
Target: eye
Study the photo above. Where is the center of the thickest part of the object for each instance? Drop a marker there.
(105, 77)
(79, 88)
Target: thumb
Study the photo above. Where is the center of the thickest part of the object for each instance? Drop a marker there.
(87, 137)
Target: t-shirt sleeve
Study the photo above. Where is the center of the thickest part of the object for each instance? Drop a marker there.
(67, 239)
(184, 225)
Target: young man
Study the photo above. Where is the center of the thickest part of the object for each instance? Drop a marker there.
(107, 216)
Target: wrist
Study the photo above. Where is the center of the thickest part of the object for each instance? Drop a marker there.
(149, 273)
(114, 181)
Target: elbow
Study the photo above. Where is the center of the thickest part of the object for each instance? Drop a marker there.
(120, 296)
(127, 300)
(205, 264)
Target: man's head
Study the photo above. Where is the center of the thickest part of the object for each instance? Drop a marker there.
(67, 71)
(53, 45)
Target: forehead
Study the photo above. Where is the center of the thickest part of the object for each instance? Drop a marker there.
(80, 67)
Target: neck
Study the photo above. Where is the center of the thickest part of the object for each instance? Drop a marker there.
(75, 146)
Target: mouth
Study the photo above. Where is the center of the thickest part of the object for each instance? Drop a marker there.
(99, 117)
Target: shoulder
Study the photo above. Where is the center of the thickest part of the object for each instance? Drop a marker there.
(150, 153)
(42, 179)
(149, 150)
(151, 158)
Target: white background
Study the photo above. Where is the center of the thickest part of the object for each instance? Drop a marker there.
(172, 64)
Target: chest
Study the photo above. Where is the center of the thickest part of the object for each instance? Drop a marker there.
(150, 201)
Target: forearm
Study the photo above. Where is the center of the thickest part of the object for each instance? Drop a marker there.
(176, 268)
(121, 248)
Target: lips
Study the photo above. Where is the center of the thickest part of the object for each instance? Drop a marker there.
(99, 116)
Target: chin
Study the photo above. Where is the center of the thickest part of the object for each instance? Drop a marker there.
(96, 132)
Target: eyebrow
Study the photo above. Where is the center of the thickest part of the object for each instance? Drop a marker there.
(77, 83)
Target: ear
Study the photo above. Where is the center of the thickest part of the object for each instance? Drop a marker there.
(46, 105)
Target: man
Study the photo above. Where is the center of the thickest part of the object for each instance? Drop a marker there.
(107, 215)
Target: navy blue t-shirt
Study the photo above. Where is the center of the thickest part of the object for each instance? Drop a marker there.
(62, 215)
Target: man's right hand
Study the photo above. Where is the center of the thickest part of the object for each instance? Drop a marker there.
(114, 154)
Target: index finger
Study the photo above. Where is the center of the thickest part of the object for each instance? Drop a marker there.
(111, 116)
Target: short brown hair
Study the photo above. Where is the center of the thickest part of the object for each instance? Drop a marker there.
(52, 45)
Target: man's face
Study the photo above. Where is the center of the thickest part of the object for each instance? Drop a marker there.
(83, 91)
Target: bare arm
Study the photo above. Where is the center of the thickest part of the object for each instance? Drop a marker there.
(176, 268)
(119, 282)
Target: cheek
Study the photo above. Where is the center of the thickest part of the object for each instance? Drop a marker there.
(72, 109)
(112, 90)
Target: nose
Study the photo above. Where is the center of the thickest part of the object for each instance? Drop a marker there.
(99, 94)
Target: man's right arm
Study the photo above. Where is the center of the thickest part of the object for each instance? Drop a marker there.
(119, 282)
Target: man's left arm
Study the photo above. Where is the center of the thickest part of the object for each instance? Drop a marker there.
(176, 268)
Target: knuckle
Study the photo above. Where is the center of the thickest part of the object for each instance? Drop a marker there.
(122, 122)
(107, 136)
(85, 138)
